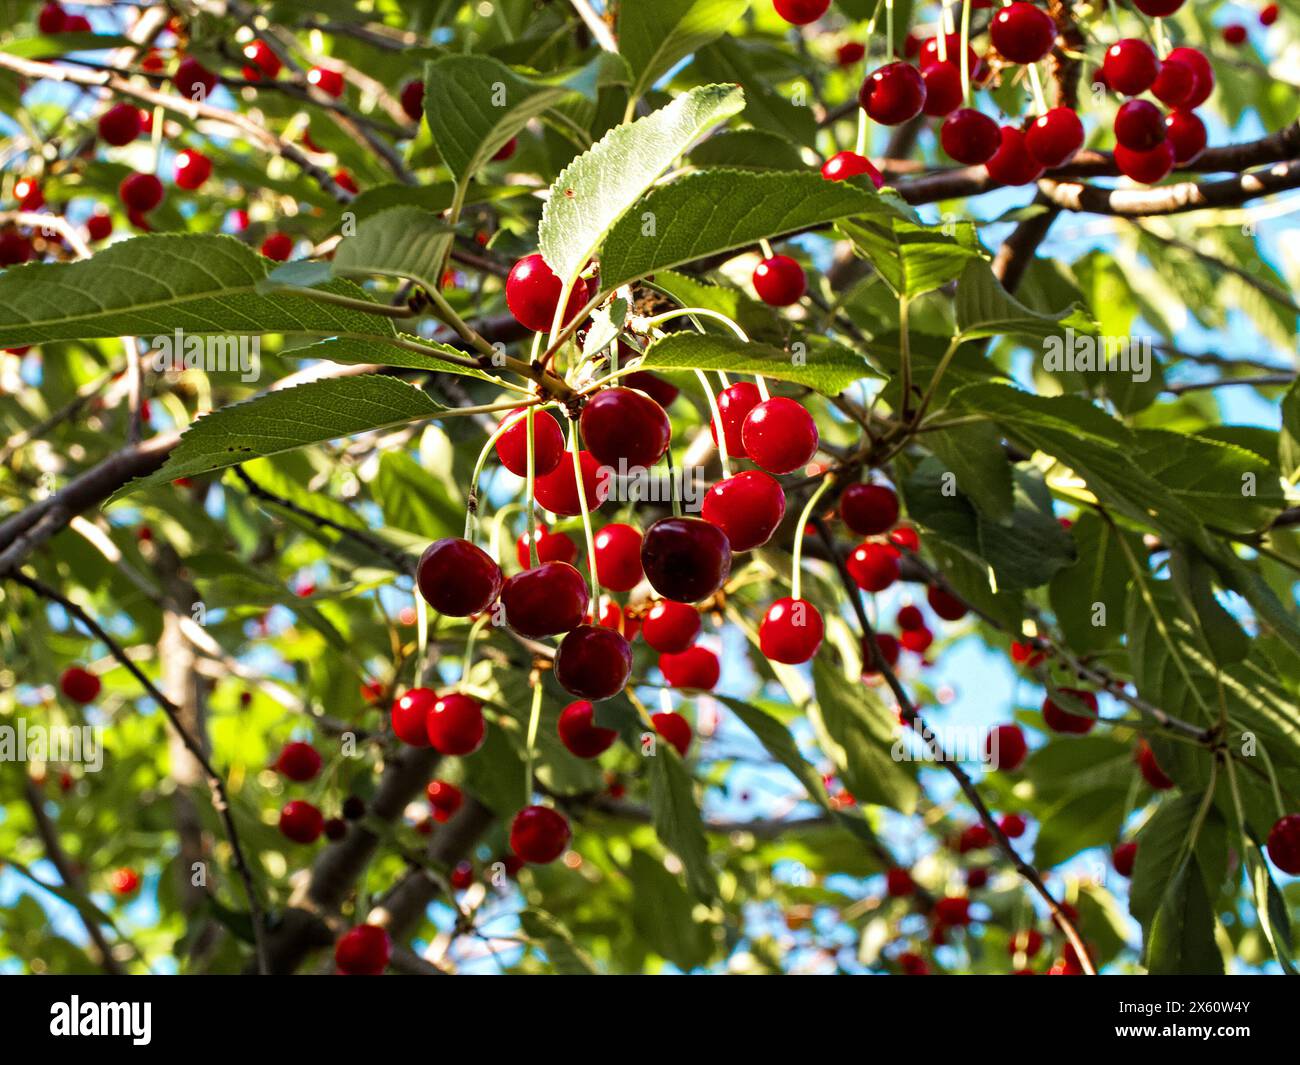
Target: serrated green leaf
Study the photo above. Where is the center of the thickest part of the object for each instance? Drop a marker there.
(910, 256)
(677, 820)
(1077, 822)
(1099, 576)
(826, 367)
(358, 352)
(975, 455)
(985, 309)
(556, 942)
(407, 242)
(747, 149)
(1181, 938)
(654, 34)
(662, 913)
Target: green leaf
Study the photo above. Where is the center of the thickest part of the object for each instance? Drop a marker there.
(654, 34)
(594, 191)
(1271, 909)
(747, 149)
(778, 742)
(293, 417)
(975, 456)
(358, 352)
(556, 942)
(1181, 939)
(401, 242)
(911, 257)
(662, 912)
(1222, 638)
(1288, 441)
(716, 211)
(1100, 576)
(154, 285)
(756, 318)
(1078, 822)
(677, 820)
(826, 367)
(985, 309)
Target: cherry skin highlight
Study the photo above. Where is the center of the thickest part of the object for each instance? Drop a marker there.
(301, 822)
(455, 725)
(893, 94)
(625, 428)
(1055, 137)
(873, 567)
(671, 627)
(533, 293)
(734, 404)
(1022, 32)
(779, 281)
(780, 435)
(844, 165)
(551, 547)
(409, 715)
(1130, 67)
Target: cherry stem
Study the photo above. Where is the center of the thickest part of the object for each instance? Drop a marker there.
(531, 473)
(965, 52)
(534, 717)
(672, 477)
(904, 358)
(860, 147)
(1036, 82)
(796, 573)
(586, 517)
(942, 38)
(889, 30)
(467, 659)
(717, 423)
(767, 248)
(471, 510)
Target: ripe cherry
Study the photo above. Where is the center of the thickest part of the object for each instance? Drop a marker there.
(99, 225)
(301, 822)
(192, 169)
(1147, 167)
(873, 567)
(1139, 125)
(1268, 15)
(445, 798)
(913, 964)
(948, 607)
(898, 883)
(801, 12)
(747, 507)
(539, 834)
(462, 876)
(1234, 33)
(124, 882)
(943, 93)
(193, 80)
(551, 547)
(505, 152)
(455, 725)
(580, 735)
(850, 52)
(869, 509)
(545, 601)
(953, 911)
(780, 435)
(974, 838)
(1187, 134)
(1013, 825)
(262, 61)
(14, 248)
(661, 391)
(928, 53)
(548, 443)
(1011, 163)
(893, 94)
(1055, 137)
(1150, 768)
(1130, 66)
(910, 617)
(1284, 844)
(696, 667)
(335, 829)
(76, 24)
(1005, 748)
(675, 729)
(671, 627)
(558, 490)
(362, 951)
(1026, 654)
(329, 81)
(779, 281)
(888, 647)
(409, 715)
(593, 663)
(141, 192)
(277, 247)
(413, 99)
(734, 404)
(618, 557)
(1158, 8)
(51, 19)
(977, 878)
(80, 685)
(686, 559)
(1176, 83)
(624, 428)
(1124, 856)
(905, 537)
(533, 292)
(1200, 65)
(791, 631)
(917, 640)
(120, 124)
(1022, 32)
(298, 761)
(458, 578)
(344, 180)
(843, 165)
(1071, 719)
(969, 136)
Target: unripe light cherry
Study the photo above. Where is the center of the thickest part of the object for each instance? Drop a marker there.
(548, 443)
(671, 627)
(1022, 32)
(1284, 844)
(697, 668)
(747, 507)
(869, 509)
(298, 761)
(539, 834)
(843, 165)
(409, 716)
(533, 292)
(893, 94)
(80, 685)
(362, 951)
(580, 735)
(734, 404)
(791, 631)
(618, 557)
(625, 428)
(593, 662)
(1071, 719)
(546, 601)
(780, 435)
(1130, 66)
(551, 547)
(1054, 137)
(1005, 748)
(558, 490)
(873, 567)
(779, 281)
(686, 559)
(458, 578)
(301, 822)
(969, 136)
(455, 725)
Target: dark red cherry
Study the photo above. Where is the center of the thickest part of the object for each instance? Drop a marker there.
(1204, 74)
(298, 761)
(1284, 844)
(943, 93)
(801, 12)
(551, 547)
(618, 557)
(1187, 134)
(1005, 748)
(1071, 719)
(413, 99)
(873, 567)
(119, 125)
(193, 80)
(913, 964)
(734, 404)
(843, 165)
(954, 910)
(558, 490)
(301, 822)
(780, 435)
(661, 391)
(893, 94)
(1269, 14)
(51, 19)
(905, 537)
(869, 509)
(850, 52)
(593, 662)
(533, 293)
(548, 443)
(1158, 8)
(141, 192)
(888, 647)
(910, 617)
(1234, 33)
(791, 631)
(947, 606)
(1022, 32)
(969, 136)
(1054, 138)
(1147, 167)
(1012, 164)
(362, 951)
(675, 729)
(977, 878)
(457, 578)
(545, 601)
(455, 725)
(671, 627)
(624, 428)
(1176, 83)
(1124, 856)
(696, 667)
(1139, 125)
(580, 735)
(80, 685)
(462, 876)
(538, 834)
(410, 715)
(898, 883)
(1150, 768)
(445, 798)
(1013, 825)
(779, 281)
(1130, 66)
(192, 169)
(747, 507)
(686, 559)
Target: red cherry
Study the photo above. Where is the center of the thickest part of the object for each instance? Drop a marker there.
(844, 165)
(1055, 137)
(1150, 768)
(618, 557)
(277, 247)
(1284, 844)
(869, 509)
(458, 578)
(51, 19)
(929, 53)
(661, 391)
(329, 81)
(548, 443)
(943, 94)
(1139, 125)
(893, 94)
(791, 631)
(344, 180)
(538, 834)
(462, 876)
(913, 964)
(1026, 654)
(99, 225)
(80, 685)
(1071, 720)
(1176, 83)
(801, 12)
(1203, 70)
(301, 822)
(1022, 32)
(120, 124)
(409, 714)
(686, 559)
(1124, 856)
(192, 169)
(969, 136)
(558, 490)
(873, 567)
(580, 735)
(696, 667)
(1187, 134)
(335, 829)
(1268, 15)
(1147, 167)
(533, 292)
(747, 507)
(545, 601)
(977, 878)
(445, 798)
(551, 547)
(905, 537)
(888, 647)
(734, 404)
(780, 435)
(413, 99)
(910, 617)
(948, 607)
(124, 882)
(1005, 748)
(14, 248)
(953, 911)
(506, 151)
(593, 663)
(298, 761)
(141, 192)
(898, 883)
(624, 428)
(193, 80)
(671, 627)
(1158, 8)
(76, 24)
(27, 191)
(1012, 164)
(850, 52)
(1130, 66)
(455, 725)
(362, 951)
(1013, 825)
(1234, 33)
(675, 729)
(262, 60)
(779, 281)
(917, 640)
